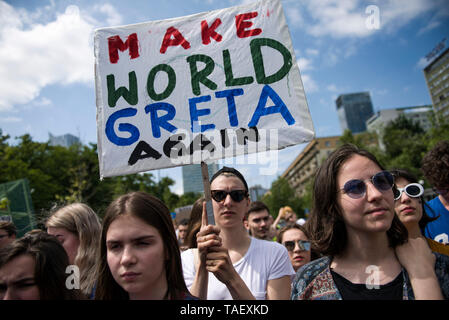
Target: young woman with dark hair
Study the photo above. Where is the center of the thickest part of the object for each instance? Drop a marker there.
(353, 224)
(409, 207)
(139, 254)
(34, 268)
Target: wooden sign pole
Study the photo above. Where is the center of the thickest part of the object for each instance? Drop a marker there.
(206, 184)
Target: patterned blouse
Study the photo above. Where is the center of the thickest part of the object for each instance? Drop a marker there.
(314, 281)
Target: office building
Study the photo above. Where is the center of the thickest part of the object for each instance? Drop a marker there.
(302, 170)
(257, 192)
(65, 140)
(353, 110)
(436, 73)
(192, 178)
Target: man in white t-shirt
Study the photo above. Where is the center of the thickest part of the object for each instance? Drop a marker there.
(229, 264)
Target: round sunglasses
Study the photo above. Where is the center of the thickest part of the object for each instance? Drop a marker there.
(356, 189)
(236, 195)
(413, 190)
(302, 245)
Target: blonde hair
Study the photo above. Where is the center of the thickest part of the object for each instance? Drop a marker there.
(82, 221)
(285, 210)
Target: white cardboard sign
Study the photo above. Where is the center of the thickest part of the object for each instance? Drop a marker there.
(197, 88)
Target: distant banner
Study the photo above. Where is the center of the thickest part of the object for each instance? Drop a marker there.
(198, 88)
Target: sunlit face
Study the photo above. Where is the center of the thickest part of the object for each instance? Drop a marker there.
(17, 279)
(259, 223)
(408, 209)
(374, 211)
(298, 257)
(136, 257)
(229, 213)
(68, 240)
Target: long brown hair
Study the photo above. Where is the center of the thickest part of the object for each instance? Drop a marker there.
(325, 225)
(194, 223)
(152, 211)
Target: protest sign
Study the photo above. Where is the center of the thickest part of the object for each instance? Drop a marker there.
(197, 88)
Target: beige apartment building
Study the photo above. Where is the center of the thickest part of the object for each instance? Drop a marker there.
(302, 169)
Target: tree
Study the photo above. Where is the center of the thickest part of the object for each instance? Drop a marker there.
(404, 145)
(281, 195)
(188, 198)
(60, 175)
(439, 130)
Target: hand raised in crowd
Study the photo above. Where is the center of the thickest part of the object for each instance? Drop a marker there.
(207, 237)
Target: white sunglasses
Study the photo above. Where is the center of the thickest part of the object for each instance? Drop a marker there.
(414, 190)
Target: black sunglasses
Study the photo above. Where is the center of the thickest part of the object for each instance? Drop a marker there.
(356, 189)
(302, 245)
(413, 190)
(236, 195)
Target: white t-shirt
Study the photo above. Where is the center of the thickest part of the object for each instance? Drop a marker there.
(264, 260)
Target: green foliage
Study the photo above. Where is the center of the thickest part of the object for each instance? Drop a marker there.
(60, 175)
(281, 195)
(405, 142)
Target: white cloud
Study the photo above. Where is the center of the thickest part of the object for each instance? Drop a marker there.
(312, 52)
(304, 64)
(348, 18)
(57, 52)
(332, 88)
(10, 119)
(309, 84)
(294, 17)
(113, 18)
(43, 102)
(422, 63)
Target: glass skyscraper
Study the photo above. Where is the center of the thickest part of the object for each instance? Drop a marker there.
(353, 111)
(192, 179)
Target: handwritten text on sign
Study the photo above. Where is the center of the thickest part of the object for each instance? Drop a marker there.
(211, 85)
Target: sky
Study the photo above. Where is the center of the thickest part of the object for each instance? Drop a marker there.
(47, 80)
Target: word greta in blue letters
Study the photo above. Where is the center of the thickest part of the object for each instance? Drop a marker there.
(144, 150)
(229, 309)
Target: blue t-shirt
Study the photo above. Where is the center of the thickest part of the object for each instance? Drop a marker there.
(437, 230)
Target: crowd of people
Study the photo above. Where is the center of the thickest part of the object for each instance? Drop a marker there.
(370, 235)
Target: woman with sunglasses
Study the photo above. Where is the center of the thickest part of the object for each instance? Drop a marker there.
(295, 239)
(409, 207)
(231, 264)
(353, 225)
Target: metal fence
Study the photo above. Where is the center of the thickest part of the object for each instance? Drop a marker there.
(16, 205)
